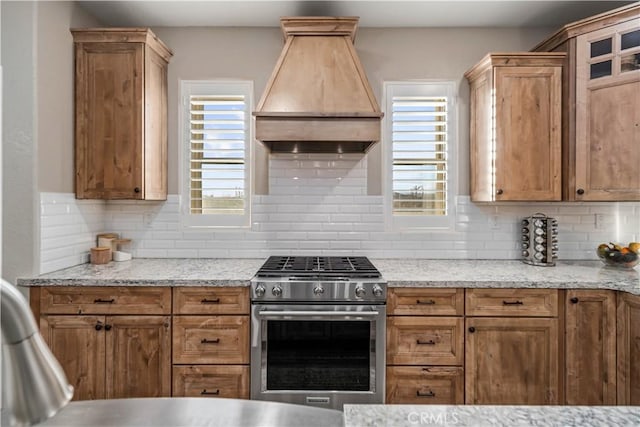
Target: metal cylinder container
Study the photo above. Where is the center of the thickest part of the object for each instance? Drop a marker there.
(539, 240)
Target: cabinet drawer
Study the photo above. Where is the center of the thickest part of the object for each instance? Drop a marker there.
(211, 300)
(512, 302)
(417, 340)
(105, 300)
(425, 385)
(211, 340)
(230, 381)
(425, 302)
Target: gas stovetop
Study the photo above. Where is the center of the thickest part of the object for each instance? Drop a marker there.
(318, 278)
(322, 267)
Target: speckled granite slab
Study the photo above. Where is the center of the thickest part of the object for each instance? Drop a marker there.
(154, 272)
(485, 415)
(409, 272)
(507, 274)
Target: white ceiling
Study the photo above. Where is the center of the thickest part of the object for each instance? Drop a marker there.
(387, 13)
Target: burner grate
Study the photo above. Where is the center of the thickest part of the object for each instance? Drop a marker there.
(278, 266)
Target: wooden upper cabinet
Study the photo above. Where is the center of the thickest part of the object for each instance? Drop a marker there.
(515, 135)
(590, 328)
(120, 114)
(601, 107)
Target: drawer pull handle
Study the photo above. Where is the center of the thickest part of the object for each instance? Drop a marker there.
(425, 302)
(430, 342)
(430, 393)
(512, 302)
(206, 341)
(104, 301)
(210, 301)
(210, 393)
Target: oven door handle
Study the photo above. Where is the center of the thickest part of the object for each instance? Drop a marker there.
(294, 313)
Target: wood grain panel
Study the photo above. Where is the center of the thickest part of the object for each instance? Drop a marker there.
(425, 385)
(155, 126)
(105, 300)
(425, 302)
(419, 340)
(229, 381)
(211, 300)
(138, 362)
(80, 349)
(211, 340)
(590, 325)
(528, 135)
(512, 361)
(628, 342)
(512, 302)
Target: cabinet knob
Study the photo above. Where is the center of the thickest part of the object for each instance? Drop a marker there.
(136, 190)
(472, 329)
(107, 327)
(98, 327)
(574, 300)
(580, 191)
(499, 191)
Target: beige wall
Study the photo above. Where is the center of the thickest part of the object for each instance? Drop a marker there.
(37, 138)
(387, 54)
(54, 71)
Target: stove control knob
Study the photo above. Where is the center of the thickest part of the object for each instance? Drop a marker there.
(276, 291)
(260, 291)
(360, 291)
(377, 290)
(318, 290)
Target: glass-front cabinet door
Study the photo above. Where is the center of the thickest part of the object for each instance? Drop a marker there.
(608, 113)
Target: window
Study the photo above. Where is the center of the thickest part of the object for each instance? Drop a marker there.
(216, 129)
(419, 148)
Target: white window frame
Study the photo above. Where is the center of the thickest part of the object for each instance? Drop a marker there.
(213, 87)
(420, 88)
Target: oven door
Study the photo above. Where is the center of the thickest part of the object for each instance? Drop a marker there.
(320, 355)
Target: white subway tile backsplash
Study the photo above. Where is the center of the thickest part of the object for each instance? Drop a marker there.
(318, 206)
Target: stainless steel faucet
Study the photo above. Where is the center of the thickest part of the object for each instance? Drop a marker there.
(34, 386)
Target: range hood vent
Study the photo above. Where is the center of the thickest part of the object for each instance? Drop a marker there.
(318, 99)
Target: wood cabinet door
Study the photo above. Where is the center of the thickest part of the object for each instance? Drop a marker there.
(607, 118)
(512, 361)
(421, 340)
(628, 335)
(528, 133)
(109, 120)
(79, 347)
(230, 381)
(590, 347)
(427, 385)
(138, 356)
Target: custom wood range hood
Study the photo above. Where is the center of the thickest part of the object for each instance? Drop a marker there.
(318, 99)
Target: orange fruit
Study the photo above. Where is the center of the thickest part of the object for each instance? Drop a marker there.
(635, 247)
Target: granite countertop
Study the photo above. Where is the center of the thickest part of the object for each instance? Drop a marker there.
(397, 272)
(489, 416)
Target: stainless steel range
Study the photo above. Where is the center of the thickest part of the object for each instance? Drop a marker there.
(318, 331)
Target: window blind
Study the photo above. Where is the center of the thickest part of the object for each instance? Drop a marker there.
(419, 151)
(217, 127)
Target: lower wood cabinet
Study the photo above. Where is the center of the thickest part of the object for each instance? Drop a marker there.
(231, 381)
(590, 347)
(512, 361)
(425, 385)
(628, 343)
(112, 357)
(211, 342)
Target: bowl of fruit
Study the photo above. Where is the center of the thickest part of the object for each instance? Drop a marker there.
(619, 256)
